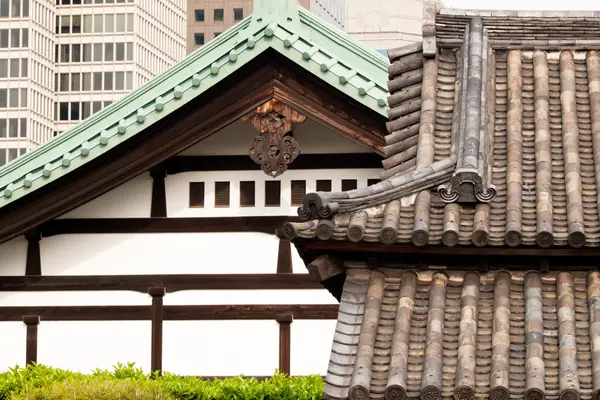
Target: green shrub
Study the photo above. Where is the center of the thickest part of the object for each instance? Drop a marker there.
(124, 382)
(97, 389)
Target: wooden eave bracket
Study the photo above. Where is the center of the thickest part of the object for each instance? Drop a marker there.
(330, 272)
(325, 267)
(429, 41)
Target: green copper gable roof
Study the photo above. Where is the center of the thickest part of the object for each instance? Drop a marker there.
(325, 51)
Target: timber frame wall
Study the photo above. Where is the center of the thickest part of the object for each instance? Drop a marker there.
(157, 286)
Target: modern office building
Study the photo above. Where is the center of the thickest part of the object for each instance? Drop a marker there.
(384, 24)
(208, 18)
(63, 60)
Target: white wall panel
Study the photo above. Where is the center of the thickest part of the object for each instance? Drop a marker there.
(12, 345)
(87, 345)
(199, 297)
(74, 298)
(221, 347)
(13, 256)
(176, 253)
(129, 200)
(178, 189)
(311, 346)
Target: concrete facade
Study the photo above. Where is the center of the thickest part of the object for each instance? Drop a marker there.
(208, 18)
(60, 63)
(384, 24)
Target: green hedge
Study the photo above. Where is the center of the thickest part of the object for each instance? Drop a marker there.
(125, 382)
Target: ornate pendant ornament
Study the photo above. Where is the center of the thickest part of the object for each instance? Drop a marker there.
(275, 148)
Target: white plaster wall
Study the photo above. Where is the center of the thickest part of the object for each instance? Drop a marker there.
(178, 186)
(87, 345)
(74, 298)
(311, 346)
(384, 24)
(292, 296)
(129, 200)
(313, 138)
(176, 253)
(189, 347)
(12, 345)
(13, 256)
(221, 347)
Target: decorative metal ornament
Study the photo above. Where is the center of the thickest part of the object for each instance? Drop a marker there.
(274, 153)
(275, 148)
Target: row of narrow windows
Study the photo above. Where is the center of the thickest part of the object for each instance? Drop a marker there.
(247, 189)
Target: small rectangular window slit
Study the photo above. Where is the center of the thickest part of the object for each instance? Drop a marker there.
(272, 193)
(349, 184)
(197, 194)
(247, 194)
(324, 185)
(298, 192)
(222, 194)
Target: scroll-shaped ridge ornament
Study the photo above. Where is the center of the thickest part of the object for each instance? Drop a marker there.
(275, 148)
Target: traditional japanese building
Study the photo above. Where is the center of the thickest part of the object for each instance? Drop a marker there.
(165, 206)
(471, 270)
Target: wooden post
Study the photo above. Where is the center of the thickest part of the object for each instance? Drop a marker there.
(32, 322)
(33, 265)
(157, 294)
(285, 320)
(158, 206)
(284, 255)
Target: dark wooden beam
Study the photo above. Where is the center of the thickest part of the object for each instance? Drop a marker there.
(158, 207)
(379, 248)
(157, 294)
(284, 255)
(33, 263)
(171, 313)
(330, 272)
(164, 225)
(173, 283)
(285, 342)
(32, 322)
(181, 164)
(301, 91)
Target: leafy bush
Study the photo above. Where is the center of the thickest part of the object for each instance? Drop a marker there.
(125, 382)
(97, 389)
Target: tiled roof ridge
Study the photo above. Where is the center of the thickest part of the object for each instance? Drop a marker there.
(410, 333)
(199, 71)
(521, 29)
(500, 13)
(327, 204)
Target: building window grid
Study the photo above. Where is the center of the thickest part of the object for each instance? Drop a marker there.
(119, 81)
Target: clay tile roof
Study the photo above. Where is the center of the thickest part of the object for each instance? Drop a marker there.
(499, 335)
(493, 138)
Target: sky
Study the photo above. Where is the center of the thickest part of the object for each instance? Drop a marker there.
(524, 4)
